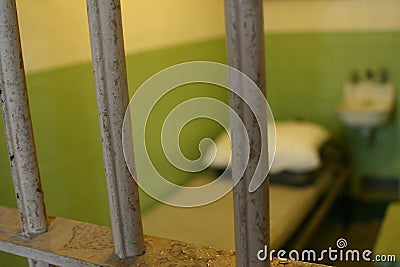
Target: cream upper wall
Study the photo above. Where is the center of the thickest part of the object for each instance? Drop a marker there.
(54, 33)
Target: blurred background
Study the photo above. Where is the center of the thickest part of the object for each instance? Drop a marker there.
(312, 47)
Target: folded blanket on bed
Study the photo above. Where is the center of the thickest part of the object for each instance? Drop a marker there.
(298, 152)
(329, 152)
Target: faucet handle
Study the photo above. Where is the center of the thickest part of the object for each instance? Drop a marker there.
(383, 76)
(369, 74)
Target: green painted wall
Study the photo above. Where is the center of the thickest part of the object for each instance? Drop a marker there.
(305, 75)
(64, 114)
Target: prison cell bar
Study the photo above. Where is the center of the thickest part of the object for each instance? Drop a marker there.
(108, 58)
(18, 127)
(245, 52)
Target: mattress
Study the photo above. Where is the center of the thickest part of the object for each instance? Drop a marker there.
(213, 224)
(290, 205)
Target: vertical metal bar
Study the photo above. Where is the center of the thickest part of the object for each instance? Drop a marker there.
(108, 58)
(245, 51)
(36, 263)
(18, 126)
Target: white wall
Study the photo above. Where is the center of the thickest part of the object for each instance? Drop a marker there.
(55, 33)
(332, 15)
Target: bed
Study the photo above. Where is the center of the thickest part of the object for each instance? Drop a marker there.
(305, 180)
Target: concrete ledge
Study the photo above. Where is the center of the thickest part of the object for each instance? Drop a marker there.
(73, 243)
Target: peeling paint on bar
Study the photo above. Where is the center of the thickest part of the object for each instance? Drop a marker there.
(112, 98)
(18, 127)
(245, 51)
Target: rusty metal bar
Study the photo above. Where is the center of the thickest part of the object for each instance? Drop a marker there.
(18, 126)
(17, 122)
(108, 58)
(245, 51)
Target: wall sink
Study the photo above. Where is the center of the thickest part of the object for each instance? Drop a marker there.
(366, 104)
